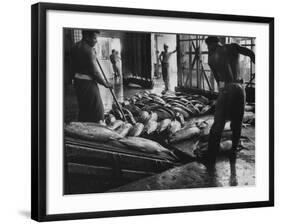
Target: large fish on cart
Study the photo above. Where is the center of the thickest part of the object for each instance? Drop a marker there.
(146, 145)
(91, 131)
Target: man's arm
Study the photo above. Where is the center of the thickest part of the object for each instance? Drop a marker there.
(245, 51)
(161, 57)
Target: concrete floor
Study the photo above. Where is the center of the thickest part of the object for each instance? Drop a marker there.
(240, 174)
(196, 175)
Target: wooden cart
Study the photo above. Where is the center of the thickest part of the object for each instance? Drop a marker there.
(92, 167)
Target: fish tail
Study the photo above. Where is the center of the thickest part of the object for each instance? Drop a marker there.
(173, 155)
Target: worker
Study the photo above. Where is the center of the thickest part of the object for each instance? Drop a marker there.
(118, 63)
(164, 58)
(87, 77)
(112, 58)
(224, 63)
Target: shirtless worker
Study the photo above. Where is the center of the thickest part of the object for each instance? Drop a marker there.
(164, 58)
(87, 77)
(224, 63)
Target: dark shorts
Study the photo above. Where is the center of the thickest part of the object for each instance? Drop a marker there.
(89, 101)
(231, 102)
(229, 107)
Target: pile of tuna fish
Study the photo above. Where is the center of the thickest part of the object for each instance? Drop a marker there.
(152, 122)
(170, 118)
(155, 116)
(155, 123)
(102, 134)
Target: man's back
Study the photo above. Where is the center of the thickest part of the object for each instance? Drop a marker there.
(224, 61)
(81, 56)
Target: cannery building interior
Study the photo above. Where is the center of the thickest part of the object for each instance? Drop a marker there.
(139, 64)
(141, 70)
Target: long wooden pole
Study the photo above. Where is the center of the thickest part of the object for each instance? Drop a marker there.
(113, 94)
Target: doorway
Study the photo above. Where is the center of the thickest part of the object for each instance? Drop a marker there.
(158, 40)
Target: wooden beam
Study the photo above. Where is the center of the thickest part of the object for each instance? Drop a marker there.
(105, 172)
(91, 156)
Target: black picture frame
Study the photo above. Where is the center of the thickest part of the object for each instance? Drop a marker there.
(39, 122)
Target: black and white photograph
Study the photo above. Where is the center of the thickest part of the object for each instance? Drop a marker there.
(147, 111)
(133, 112)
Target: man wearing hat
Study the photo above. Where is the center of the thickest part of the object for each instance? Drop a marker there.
(87, 77)
(164, 58)
(224, 63)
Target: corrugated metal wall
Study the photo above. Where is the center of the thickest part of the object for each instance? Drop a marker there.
(137, 53)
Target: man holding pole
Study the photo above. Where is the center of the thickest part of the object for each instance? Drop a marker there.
(87, 77)
(224, 63)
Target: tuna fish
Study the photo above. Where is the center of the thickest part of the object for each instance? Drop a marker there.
(144, 117)
(164, 124)
(174, 126)
(184, 134)
(205, 130)
(151, 107)
(191, 109)
(150, 127)
(153, 116)
(133, 99)
(159, 100)
(136, 130)
(129, 116)
(133, 109)
(205, 109)
(93, 131)
(185, 101)
(203, 99)
(178, 103)
(124, 129)
(145, 145)
(116, 124)
(194, 102)
(163, 114)
(126, 103)
(117, 113)
(183, 112)
(180, 118)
